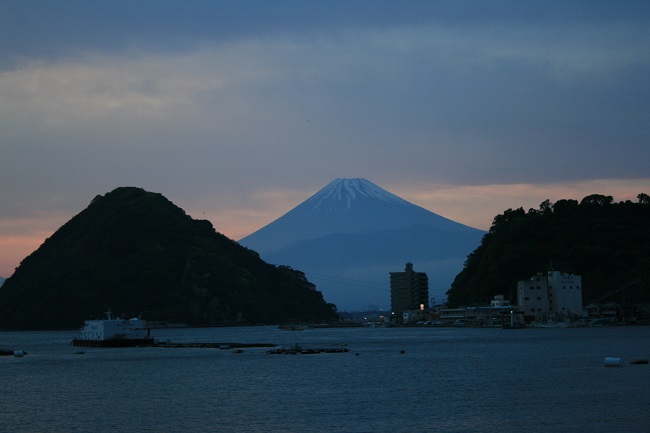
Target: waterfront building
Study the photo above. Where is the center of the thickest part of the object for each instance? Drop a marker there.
(551, 295)
(499, 301)
(493, 315)
(409, 290)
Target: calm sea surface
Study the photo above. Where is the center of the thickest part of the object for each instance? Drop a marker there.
(446, 380)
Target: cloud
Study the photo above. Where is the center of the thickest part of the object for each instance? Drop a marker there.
(242, 112)
(427, 90)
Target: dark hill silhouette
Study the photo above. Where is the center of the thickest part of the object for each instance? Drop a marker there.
(136, 252)
(607, 243)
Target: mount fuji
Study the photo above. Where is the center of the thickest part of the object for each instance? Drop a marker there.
(348, 236)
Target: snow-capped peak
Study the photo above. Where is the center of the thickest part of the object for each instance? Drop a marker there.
(347, 190)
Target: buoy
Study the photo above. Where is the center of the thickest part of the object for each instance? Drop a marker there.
(612, 362)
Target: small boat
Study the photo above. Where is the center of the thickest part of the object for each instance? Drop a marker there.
(114, 332)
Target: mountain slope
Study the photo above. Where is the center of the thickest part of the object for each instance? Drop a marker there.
(349, 235)
(135, 251)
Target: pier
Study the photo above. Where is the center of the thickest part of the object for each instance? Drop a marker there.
(224, 346)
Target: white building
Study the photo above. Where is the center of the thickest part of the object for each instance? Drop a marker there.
(499, 301)
(550, 295)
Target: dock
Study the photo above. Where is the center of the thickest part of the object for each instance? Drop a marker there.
(224, 346)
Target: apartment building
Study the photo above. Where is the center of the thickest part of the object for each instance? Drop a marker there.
(409, 290)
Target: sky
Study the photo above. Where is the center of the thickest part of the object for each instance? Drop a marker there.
(238, 111)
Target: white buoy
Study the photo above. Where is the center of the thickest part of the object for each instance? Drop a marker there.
(613, 362)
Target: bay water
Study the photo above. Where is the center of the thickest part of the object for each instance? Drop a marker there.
(390, 380)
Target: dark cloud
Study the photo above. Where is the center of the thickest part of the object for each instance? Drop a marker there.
(49, 29)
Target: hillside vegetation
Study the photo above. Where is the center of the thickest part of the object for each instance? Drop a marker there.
(607, 243)
(137, 253)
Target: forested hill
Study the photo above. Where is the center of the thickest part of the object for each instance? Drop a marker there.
(137, 253)
(607, 243)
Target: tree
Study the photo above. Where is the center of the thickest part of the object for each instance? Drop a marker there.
(546, 207)
(597, 200)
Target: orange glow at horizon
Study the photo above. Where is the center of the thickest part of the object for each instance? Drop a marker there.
(475, 206)
(13, 249)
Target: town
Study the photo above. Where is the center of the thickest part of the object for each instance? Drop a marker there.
(547, 299)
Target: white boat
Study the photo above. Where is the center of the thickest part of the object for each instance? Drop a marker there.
(114, 332)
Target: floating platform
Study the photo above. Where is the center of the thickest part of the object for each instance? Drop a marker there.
(302, 351)
(613, 362)
(12, 352)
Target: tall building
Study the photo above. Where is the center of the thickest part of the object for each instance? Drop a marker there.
(550, 295)
(409, 290)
